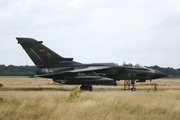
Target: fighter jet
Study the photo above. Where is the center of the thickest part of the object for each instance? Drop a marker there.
(67, 71)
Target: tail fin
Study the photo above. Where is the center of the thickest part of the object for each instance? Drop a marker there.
(41, 55)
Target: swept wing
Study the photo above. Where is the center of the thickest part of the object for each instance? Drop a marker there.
(61, 74)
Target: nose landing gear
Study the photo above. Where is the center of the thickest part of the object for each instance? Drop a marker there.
(128, 83)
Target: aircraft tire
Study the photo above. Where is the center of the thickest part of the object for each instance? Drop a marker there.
(89, 87)
(133, 89)
(83, 87)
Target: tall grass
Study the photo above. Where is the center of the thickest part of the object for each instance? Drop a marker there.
(44, 101)
(76, 105)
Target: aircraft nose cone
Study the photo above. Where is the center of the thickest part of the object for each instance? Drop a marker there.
(159, 74)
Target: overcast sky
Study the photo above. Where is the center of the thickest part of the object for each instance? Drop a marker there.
(142, 31)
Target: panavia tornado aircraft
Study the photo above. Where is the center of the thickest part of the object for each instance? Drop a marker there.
(66, 71)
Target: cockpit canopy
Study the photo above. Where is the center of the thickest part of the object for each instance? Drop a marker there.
(111, 64)
(136, 65)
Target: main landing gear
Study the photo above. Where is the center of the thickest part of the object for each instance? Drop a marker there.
(128, 83)
(86, 87)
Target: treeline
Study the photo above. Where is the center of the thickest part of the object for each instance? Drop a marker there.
(12, 70)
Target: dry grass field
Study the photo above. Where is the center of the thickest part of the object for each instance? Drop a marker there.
(66, 102)
(26, 83)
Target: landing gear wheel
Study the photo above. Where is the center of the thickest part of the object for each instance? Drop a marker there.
(86, 87)
(133, 89)
(83, 87)
(89, 87)
(133, 85)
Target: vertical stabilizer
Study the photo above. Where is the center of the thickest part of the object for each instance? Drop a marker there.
(41, 55)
